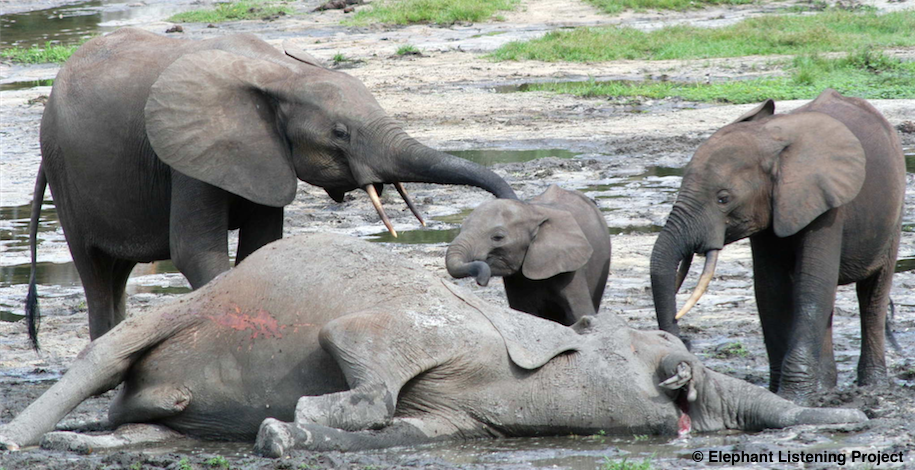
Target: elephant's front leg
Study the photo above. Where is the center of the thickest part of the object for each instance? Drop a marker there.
(809, 363)
(773, 266)
(873, 300)
(261, 225)
(198, 229)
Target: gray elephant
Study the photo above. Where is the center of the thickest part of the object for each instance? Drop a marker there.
(552, 251)
(820, 193)
(155, 147)
(382, 352)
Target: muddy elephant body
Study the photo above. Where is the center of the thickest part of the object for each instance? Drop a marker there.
(553, 253)
(155, 147)
(379, 352)
(819, 191)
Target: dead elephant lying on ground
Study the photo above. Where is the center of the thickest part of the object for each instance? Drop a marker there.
(384, 353)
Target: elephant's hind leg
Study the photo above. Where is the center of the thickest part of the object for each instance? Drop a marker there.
(127, 435)
(104, 279)
(873, 301)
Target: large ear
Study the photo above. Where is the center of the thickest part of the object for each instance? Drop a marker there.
(209, 116)
(822, 167)
(531, 341)
(766, 109)
(559, 245)
(294, 51)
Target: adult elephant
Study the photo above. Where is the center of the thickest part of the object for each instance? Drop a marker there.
(819, 191)
(377, 343)
(553, 252)
(155, 147)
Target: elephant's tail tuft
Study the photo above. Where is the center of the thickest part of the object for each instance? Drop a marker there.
(32, 312)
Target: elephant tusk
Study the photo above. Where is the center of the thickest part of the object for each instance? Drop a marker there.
(711, 259)
(373, 195)
(683, 271)
(409, 201)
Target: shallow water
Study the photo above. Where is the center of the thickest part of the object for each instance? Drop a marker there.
(491, 157)
(25, 84)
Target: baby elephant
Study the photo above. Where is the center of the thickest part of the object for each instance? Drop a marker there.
(553, 251)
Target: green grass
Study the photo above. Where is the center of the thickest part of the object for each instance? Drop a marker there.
(243, 10)
(431, 11)
(864, 74)
(50, 53)
(625, 464)
(407, 49)
(616, 6)
(833, 30)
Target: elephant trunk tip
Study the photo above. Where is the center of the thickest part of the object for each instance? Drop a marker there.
(458, 268)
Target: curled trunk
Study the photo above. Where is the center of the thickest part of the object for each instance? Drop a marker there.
(460, 264)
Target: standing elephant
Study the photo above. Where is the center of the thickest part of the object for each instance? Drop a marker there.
(378, 343)
(553, 252)
(819, 191)
(155, 147)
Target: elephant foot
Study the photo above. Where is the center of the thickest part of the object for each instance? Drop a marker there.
(7, 443)
(130, 434)
(816, 416)
(366, 407)
(871, 376)
(274, 438)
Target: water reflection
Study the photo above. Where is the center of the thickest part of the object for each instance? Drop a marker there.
(26, 84)
(416, 237)
(14, 225)
(491, 157)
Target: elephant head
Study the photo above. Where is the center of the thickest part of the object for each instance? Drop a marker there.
(505, 237)
(253, 123)
(761, 172)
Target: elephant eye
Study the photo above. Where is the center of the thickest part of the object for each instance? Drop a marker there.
(498, 237)
(340, 132)
(723, 197)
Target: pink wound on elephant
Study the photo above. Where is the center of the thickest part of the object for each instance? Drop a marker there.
(261, 323)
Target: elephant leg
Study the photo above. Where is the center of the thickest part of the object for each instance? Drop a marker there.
(262, 226)
(578, 299)
(772, 267)
(127, 435)
(873, 300)
(104, 278)
(198, 229)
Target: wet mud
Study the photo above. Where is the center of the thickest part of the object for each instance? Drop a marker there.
(626, 156)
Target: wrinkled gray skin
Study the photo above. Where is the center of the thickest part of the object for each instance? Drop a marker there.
(553, 252)
(819, 192)
(155, 147)
(385, 353)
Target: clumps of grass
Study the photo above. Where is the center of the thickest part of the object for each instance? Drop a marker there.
(242, 10)
(50, 53)
(625, 464)
(431, 11)
(408, 49)
(833, 30)
(340, 58)
(616, 6)
(863, 73)
(218, 462)
(730, 350)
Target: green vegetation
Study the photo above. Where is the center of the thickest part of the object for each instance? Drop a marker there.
(339, 58)
(625, 464)
(833, 30)
(183, 464)
(431, 11)
(243, 10)
(864, 74)
(616, 6)
(50, 53)
(407, 49)
(218, 462)
(735, 349)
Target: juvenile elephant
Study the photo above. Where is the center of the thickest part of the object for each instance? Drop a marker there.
(373, 342)
(155, 147)
(553, 252)
(820, 192)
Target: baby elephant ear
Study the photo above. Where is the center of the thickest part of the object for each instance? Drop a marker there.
(821, 168)
(559, 246)
(211, 116)
(766, 109)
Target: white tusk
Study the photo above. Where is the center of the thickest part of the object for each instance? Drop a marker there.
(373, 195)
(711, 258)
(406, 198)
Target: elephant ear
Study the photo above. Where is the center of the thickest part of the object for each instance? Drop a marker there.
(821, 168)
(764, 110)
(300, 55)
(559, 246)
(530, 341)
(210, 116)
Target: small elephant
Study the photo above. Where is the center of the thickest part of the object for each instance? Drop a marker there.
(553, 252)
(819, 192)
(155, 147)
(374, 352)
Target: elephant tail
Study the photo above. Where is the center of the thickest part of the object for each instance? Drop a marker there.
(32, 312)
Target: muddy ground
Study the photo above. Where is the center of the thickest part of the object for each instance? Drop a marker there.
(627, 156)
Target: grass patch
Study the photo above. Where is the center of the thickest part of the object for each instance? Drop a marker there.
(431, 11)
(243, 10)
(408, 49)
(625, 464)
(616, 6)
(833, 30)
(50, 53)
(864, 74)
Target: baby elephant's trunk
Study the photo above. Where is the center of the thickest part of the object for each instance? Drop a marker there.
(460, 264)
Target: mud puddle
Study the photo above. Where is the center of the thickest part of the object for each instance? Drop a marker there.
(72, 24)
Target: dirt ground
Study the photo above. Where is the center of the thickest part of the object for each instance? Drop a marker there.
(447, 98)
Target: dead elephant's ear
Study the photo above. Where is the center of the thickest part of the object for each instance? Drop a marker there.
(211, 115)
(764, 110)
(821, 167)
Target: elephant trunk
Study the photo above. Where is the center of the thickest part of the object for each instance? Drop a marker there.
(666, 256)
(460, 264)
